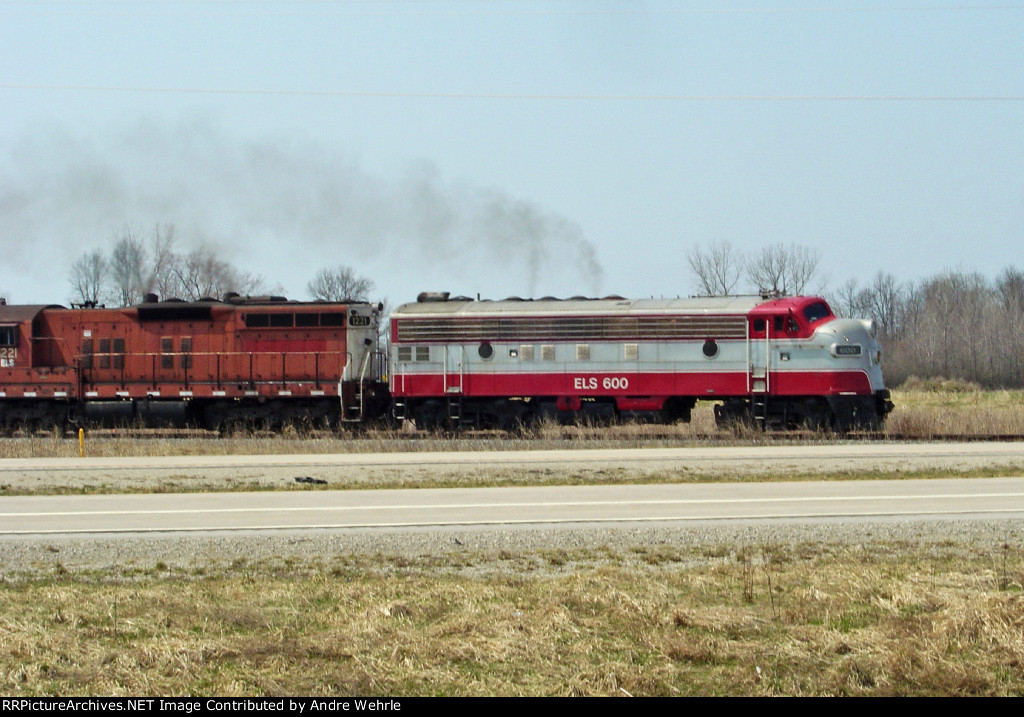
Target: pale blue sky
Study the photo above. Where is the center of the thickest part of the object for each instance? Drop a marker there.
(512, 146)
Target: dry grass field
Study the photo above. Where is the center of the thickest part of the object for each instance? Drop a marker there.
(877, 619)
(931, 616)
(926, 412)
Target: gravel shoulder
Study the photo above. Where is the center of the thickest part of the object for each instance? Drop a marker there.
(490, 550)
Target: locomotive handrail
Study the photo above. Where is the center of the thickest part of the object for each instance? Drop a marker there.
(189, 373)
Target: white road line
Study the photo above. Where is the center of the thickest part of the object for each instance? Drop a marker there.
(513, 521)
(546, 504)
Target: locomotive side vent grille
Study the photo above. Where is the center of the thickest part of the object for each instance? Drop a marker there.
(612, 328)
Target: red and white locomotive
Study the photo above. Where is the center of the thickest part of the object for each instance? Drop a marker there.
(267, 362)
(258, 361)
(780, 362)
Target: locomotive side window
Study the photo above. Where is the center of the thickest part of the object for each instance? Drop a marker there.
(305, 320)
(782, 324)
(759, 325)
(405, 353)
(332, 319)
(526, 352)
(582, 352)
(630, 352)
(281, 321)
(9, 342)
(167, 352)
(257, 321)
(422, 353)
(547, 352)
(8, 335)
(118, 357)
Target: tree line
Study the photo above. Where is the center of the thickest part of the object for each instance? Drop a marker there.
(139, 264)
(957, 324)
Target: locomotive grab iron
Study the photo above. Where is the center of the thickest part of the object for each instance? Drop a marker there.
(454, 362)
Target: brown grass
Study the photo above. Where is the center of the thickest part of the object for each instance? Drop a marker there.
(876, 619)
(922, 413)
(927, 413)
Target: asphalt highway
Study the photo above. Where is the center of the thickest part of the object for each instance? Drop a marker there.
(1001, 498)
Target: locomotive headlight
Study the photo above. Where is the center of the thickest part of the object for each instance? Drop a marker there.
(870, 326)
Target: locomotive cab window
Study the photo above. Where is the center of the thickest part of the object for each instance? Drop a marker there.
(8, 335)
(816, 312)
(784, 324)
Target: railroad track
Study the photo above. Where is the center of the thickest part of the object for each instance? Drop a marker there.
(576, 435)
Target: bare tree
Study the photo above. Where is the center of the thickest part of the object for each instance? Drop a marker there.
(202, 274)
(89, 278)
(781, 269)
(848, 300)
(341, 283)
(1010, 285)
(717, 268)
(128, 268)
(136, 267)
(885, 301)
(161, 278)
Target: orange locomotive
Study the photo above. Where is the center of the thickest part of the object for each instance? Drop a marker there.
(261, 361)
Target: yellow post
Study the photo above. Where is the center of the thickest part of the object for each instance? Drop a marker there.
(81, 442)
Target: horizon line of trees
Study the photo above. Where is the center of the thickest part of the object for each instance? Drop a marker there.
(138, 265)
(956, 324)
